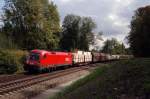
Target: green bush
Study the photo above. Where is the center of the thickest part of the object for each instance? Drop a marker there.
(11, 61)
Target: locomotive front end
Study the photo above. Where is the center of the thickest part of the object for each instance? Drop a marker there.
(32, 62)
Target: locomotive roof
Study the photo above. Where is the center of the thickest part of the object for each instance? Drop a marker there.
(48, 52)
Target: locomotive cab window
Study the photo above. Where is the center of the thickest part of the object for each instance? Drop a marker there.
(34, 56)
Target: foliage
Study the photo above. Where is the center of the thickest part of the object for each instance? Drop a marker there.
(113, 47)
(77, 33)
(139, 36)
(11, 61)
(128, 51)
(54, 18)
(125, 79)
(86, 30)
(30, 23)
(6, 42)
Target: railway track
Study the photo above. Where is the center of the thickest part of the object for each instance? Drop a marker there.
(23, 83)
(8, 78)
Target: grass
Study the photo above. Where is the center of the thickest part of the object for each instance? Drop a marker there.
(125, 79)
(82, 81)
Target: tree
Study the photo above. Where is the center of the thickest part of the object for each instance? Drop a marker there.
(6, 42)
(29, 23)
(77, 33)
(53, 17)
(113, 47)
(139, 36)
(86, 33)
(70, 34)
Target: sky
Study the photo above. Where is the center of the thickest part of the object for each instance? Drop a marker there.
(111, 16)
(1, 5)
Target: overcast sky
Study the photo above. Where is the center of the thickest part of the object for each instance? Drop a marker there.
(1, 4)
(111, 16)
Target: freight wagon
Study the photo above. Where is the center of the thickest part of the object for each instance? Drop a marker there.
(81, 57)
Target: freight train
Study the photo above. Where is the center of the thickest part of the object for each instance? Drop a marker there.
(39, 60)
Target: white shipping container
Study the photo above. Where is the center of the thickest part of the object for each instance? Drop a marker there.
(88, 56)
(78, 57)
(81, 57)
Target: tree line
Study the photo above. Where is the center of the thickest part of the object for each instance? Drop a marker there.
(35, 24)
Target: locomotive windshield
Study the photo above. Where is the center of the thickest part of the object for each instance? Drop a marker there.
(34, 56)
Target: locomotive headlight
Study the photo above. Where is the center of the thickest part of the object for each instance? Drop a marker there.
(67, 59)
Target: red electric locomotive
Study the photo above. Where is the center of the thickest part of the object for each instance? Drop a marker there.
(44, 60)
